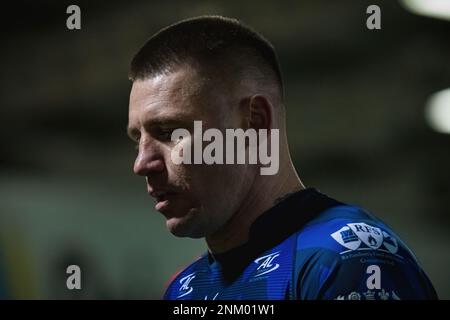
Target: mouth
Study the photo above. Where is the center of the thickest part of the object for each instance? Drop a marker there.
(162, 199)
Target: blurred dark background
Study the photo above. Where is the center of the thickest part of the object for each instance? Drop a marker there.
(356, 103)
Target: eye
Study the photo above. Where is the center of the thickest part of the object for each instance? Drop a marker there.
(164, 134)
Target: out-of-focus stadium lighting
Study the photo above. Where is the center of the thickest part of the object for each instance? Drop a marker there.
(432, 8)
(437, 111)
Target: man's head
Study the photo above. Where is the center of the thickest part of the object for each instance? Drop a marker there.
(211, 69)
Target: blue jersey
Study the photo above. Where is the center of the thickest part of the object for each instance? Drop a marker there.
(309, 246)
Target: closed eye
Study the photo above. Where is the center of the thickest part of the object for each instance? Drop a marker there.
(164, 134)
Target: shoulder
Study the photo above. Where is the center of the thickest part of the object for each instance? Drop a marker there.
(343, 226)
(346, 252)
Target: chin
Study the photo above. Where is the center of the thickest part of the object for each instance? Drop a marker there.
(184, 231)
(185, 226)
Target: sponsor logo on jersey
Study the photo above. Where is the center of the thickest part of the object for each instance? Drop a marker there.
(371, 236)
(185, 289)
(395, 296)
(369, 295)
(390, 243)
(347, 238)
(354, 296)
(353, 235)
(266, 264)
(383, 295)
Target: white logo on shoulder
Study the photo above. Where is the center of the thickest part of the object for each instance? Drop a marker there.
(353, 235)
(266, 264)
(371, 236)
(185, 289)
(347, 238)
(390, 243)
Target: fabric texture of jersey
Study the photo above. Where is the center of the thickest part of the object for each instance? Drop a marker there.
(309, 246)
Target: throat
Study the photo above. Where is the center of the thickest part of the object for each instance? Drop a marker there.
(263, 195)
(233, 234)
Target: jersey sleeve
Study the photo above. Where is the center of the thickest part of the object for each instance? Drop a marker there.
(357, 258)
(327, 275)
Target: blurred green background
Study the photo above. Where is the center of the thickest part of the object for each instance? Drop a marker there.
(355, 101)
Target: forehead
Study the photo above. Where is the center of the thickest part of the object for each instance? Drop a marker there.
(179, 92)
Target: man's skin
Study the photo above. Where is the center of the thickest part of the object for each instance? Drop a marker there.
(218, 202)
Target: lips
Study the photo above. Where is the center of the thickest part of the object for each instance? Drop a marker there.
(162, 198)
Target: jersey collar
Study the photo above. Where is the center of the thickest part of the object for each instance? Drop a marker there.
(272, 227)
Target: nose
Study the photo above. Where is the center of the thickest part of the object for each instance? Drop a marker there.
(149, 160)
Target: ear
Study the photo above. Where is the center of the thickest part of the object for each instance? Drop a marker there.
(260, 112)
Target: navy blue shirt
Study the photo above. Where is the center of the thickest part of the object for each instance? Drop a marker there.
(309, 246)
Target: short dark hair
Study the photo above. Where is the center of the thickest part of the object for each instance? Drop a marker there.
(206, 40)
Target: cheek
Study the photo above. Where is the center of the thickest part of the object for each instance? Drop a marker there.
(179, 175)
(218, 182)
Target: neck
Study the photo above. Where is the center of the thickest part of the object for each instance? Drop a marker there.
(263, 195)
